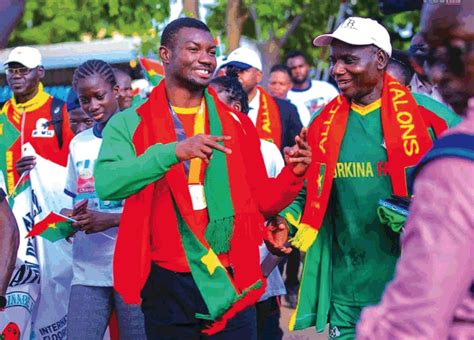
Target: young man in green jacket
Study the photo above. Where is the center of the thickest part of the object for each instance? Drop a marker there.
(364, 142)
(195, 185)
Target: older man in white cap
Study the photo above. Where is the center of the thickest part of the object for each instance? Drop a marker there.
(32, 116)
(363, 142)
(276, 120)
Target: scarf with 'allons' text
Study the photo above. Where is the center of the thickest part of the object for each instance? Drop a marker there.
(406, 138)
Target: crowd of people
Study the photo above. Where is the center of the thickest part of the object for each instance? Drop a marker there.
(197, 208)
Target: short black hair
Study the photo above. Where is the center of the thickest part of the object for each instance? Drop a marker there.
(170, 31)
(72, 102)
(91, 67)
(401, 60)
(281, 68)
(236, 92)
(232, 71)
(294, 54)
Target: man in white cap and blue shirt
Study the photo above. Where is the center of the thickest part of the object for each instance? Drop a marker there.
(30, 116)
(276, 120)
(363, 143)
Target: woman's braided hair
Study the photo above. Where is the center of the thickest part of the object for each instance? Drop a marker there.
(91, 67)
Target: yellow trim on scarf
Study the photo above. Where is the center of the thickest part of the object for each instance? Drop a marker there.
(199, 122)
(292, 323)
(304, 237)
(295, 221)
(34, 103)
(363, 110)
(186, 110)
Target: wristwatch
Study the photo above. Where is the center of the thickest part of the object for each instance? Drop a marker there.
(3, 302)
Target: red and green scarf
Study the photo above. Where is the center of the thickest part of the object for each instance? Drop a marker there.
(268, 119)
(406, 138)
(12, 135)
(235, 224)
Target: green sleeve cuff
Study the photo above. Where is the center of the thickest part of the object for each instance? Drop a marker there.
(290, 220)
(163, 154)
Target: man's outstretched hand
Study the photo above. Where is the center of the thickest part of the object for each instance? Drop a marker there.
(277, 236)
(299, 155)
(200, 146)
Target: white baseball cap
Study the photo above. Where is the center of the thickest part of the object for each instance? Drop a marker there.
(358, 31)
(243, 58)
(27, 56)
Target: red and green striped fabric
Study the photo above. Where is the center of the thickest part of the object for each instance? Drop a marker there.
(9, 135)
(53, 228)
(152, 69)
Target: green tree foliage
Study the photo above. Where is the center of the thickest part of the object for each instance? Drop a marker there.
(271, 20)
(277, 25)
(53, 21)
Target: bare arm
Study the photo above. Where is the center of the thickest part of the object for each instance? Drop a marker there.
(9, 242)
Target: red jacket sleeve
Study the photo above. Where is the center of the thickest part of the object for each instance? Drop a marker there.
(271, 194)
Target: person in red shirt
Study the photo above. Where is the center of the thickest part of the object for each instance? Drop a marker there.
(195, 195)
(34, 114)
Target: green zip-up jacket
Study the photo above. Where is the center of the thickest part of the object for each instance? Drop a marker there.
(119, 173)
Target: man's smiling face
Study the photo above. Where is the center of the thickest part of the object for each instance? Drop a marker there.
(355, 68)
(193, 57)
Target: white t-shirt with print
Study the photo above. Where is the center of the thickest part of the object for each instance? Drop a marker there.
(311, 99)
(92, 253)
(273, 163)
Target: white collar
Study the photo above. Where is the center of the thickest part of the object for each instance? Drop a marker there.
(255, 102)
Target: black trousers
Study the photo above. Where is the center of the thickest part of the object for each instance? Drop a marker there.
(170, 301)
(292, 261)
(268, 319)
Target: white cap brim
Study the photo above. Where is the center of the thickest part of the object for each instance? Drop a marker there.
(323, 40)
(326, 40)
(22, 62)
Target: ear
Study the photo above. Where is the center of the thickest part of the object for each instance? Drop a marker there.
(259, 76)
(116, 90)
(40, 72)
(237, 106)
(165, 54)
(382, 59)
